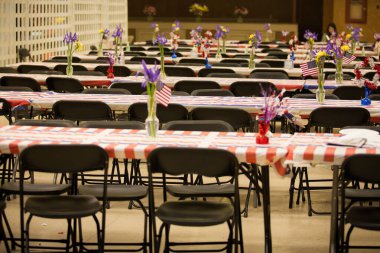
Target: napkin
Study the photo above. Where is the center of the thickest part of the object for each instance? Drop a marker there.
(349, 141)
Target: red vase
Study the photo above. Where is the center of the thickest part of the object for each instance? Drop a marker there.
(110, 74)
(261, 137)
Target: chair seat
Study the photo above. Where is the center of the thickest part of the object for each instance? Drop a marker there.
(364, 217)
(201, 190)
(194, 213)
(364, 194)
(62, 207)
(35, 189)
(115, 192)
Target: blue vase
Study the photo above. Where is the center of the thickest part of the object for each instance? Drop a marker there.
(366, 100)
(174, 56)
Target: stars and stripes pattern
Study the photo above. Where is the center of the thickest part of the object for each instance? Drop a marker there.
(348, 58)
(163, 95)
(309, 68)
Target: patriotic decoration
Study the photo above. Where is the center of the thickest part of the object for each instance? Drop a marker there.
(163, 95)
(348, 58)
(309, 68)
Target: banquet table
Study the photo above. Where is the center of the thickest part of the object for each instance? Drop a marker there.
(245, 71)
(102, 81)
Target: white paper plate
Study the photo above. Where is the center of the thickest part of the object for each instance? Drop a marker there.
(359, 131)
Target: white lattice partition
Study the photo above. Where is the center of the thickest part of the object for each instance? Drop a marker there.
(39, 25)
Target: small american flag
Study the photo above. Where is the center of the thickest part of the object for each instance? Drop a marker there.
(348, 58)
(163, 95)
(309, 68)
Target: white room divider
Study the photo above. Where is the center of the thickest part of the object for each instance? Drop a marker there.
(39, 25)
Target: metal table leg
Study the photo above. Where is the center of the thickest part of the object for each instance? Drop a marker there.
(266, 208)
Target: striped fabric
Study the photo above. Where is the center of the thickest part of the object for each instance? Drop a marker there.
(163, 95)
(348, 58)
(309, 68)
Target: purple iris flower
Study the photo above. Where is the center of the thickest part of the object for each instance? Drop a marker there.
(356, 34)
(70, 38)
(267, 26)
(153, 25)
(258, 36)
(161, 40)
(111, 60)
(118, 33)
(199, 29)
(151, 75)
(350, 27)
(310, 35)
(376, 36)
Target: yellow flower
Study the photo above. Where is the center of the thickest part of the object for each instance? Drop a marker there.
(311, 41)
(345, 48)
(320, 54)
(177, 29)
(101, 30)
(78, 46)
(348, 36)
(173, 25)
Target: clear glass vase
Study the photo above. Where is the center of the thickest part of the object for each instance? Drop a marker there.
(251, 64)
(320, 94)
(152, 123)
(69, 67)
(218, 54)
(100, 49)
(224, 50)
(162, 63)
(339, 71)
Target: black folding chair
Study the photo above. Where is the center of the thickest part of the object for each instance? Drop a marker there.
(8, 70)
(62, 68)
(349, 92)
(205, 72)
(190, 86)
(107, 91)
(64, 85)
(75, 59)
(148, 60)
(274, 64)
(179, 71)
(194, 213)
(251, 88)
(359, 169)
(71, 159)
(268, 74)
(19, 81)
(212, 93)
(193, 60)
(135, 88)
(225, 75)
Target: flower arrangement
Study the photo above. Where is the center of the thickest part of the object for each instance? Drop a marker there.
(293, 42)
(161, 42)
(240, 12)
(198, 10)
(310, 38)
(73, 44)
(175, 34)
(118, 37)
(320, 58)
(254, 42)
(150, 11)
(111, 62)
(221, 33)
(206, 44)
(369, 86)
(156, 30)
(353, 37)
(104, 34)
(196, 36)
(284, 35)
(336, 49)
(152, 83)
(268, 31)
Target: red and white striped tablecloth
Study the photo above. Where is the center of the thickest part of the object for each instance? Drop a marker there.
(135, 143)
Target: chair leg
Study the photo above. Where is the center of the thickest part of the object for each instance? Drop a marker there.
(27, 233)
(98, 233)
(347, 244)
(230, 239)
(310, 213)
(167, 242)
(3, 236)
(68, 235)
(295, 172)
(12, 238)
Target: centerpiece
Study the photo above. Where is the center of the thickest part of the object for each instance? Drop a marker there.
(104, 33)
(198, 11)
(161, 42)
(73, 44)
(254, 42)
(175, 35)
(369, 86)
(353, 37)
(310, 38)
(118, 37)
(150, 11)
(221, 34)
(269, 32)
(240, 12)
(336, 49)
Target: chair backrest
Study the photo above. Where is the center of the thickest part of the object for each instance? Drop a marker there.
(6, 109)
(179, 93)
(274, 64)
(106, 91)
(268, 74)
(17, 81)
(349, 92)
(135, 54)
(278, 54)
(137, 48)
(156, 48)
(88, 73)
(369, 75)
(15, 88)
(120, 71)
(226, 64)
(225, 75)
(8, 70)
(338, 117)
(237, 118)
(148, 60)
(259, 65)
(179, 71)
(25, 68)
(63, 158)
(238, 61)
(251, 88)
(312, 96)
(113, 124)
(193, 60)
(139, 112)
(206, 162)
(182, 49)
(82, 110)
(212, 92)
(64, 85)
(375, 97)
(47, 123)
(93, 61)
(199, 125)
(75, 59)
(170, 54)
(135, 88)
(46, 72)
(190, 86)
(362, 168)
(205, 72)
(268, 50)
(62, 68)
(330, 65)
(244, 56)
